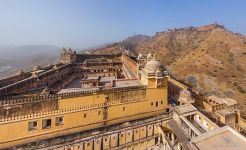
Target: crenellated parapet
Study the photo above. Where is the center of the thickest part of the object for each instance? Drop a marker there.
(7, 101)
(56, 112)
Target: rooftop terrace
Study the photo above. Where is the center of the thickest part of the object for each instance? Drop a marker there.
(224, 138)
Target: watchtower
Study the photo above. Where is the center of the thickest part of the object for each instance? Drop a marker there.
(68, 56)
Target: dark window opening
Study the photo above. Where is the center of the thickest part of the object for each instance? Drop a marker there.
(33, 125)
(46, 123)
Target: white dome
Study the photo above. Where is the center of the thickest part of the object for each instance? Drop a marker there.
(152, 66)
(21, 72)
(36, 68)
(149, 55)
(185, 92)
(185, 97)
(140, 55)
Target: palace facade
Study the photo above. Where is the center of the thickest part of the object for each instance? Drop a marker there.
(99, 102)
(80, 93)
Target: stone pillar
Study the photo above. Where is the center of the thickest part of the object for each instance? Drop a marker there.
(173, 138)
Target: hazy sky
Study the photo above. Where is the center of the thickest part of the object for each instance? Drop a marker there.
(85, 23)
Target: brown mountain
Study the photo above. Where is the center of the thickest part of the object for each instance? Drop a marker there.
(129, 43)
(210, 58)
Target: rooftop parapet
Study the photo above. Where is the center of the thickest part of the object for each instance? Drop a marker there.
(24, 99)
(68, 50)
(55, 112)
(214, 100)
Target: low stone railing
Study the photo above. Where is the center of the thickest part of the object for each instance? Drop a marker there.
(240, 129)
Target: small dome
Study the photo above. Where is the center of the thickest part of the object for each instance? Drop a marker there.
(34, 75)
(185, 97)
(149, 55)
(158, 73)
(36, 68)
(55, 67)
(152, 66)
(140, 55)
(21, 72)
(185, 92)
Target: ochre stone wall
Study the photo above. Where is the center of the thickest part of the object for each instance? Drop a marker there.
(83, 113)
(28, 108)
(138, 134)
(131, 64)
(82, 57)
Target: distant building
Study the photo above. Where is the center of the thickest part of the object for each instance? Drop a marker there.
(191, 130)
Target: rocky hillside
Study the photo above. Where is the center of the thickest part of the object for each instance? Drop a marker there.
(210, 58)
(129, 43)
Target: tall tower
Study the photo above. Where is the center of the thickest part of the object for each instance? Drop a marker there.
(68, 56)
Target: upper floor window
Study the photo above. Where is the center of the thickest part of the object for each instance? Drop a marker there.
(59, 120)
(156, 104)
(99, 112)
(33, 125)
(85, 115)
(46, 123)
